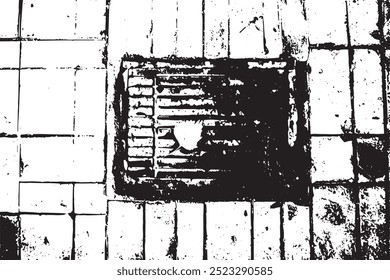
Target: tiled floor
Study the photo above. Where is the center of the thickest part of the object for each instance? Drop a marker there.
(52, 123)
(56, 197)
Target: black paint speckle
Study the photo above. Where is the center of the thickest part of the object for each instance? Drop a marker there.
(292, 211)
(334, 213)
(172, 250)
(46, 241)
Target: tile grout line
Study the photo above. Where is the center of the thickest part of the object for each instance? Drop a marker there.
(144, 230)
(73, 217)
(355, 190)
(175, 236)
(155, 127)
(175, 51)
(19, 146)
(75, 18)
(106, 107)
(151, 29)
(382, 53)
(252, 232)
(203, 28)
(106, 241)
(74, 103)
(311, 185)
(228, 27)
(281, 239)
(205, 257)
(334, 47)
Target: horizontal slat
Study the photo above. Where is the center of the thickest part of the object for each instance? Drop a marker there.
(135, 103)
(139, 81)
(186, 80)
(141, 111)
(140, 132)
(136, 91)
(189, 173)
(143, 152)
(180, 103)
(193, 67)
(139, 122)
(177, 163)
(163, 152)
(189, 182)
(171, 123)
(180, 92)
(138, 163)
(140, 142)
(187, 112)
(165, 143)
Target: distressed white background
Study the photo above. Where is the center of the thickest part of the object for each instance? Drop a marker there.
(55, 106)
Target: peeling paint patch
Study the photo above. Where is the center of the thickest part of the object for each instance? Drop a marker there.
(9, 238)
(372, 158)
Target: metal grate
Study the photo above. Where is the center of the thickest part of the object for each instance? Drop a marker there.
(213, 130)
